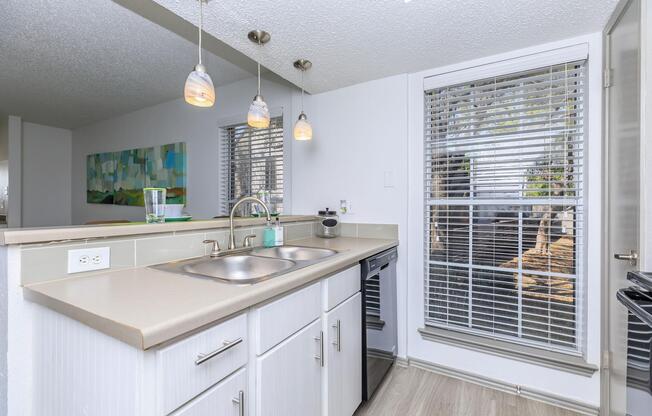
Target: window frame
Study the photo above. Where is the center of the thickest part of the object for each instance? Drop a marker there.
(578, 48)
(523, 203)
(227, 121)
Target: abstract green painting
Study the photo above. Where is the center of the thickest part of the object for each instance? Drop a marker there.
(119, 177)
(100, 175)
(166, 168)
(130, 177)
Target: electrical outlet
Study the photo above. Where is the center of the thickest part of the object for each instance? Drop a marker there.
(87, 259)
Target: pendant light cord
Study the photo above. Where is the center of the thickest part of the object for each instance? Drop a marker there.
(201, 19)
(258, 78)
(302, 71)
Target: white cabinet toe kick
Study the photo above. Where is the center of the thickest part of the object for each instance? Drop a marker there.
(299, 354)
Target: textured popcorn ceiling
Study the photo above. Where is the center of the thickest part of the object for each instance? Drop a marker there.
(351, 41)
(68, 63)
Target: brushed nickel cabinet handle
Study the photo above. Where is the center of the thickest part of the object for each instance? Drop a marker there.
(240, 402)
(338, 335)
(320, 357)
(202, 358)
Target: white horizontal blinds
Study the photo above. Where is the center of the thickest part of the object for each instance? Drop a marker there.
(252, 161)
(503, 193)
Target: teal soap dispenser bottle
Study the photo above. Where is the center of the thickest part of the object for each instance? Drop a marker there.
(269, 235)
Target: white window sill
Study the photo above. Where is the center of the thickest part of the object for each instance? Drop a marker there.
(550, 359)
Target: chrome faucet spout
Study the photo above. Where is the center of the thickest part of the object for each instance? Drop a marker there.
(237, 204)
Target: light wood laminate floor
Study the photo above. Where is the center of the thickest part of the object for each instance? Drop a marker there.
(415, 392)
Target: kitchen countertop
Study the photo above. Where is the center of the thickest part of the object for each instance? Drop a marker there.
(145, 307)
(82, 232)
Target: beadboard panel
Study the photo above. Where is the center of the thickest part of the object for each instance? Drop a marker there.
(79, 371)
(4, 328)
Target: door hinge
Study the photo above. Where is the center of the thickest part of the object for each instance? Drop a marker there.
(606, 360)
(608, 78)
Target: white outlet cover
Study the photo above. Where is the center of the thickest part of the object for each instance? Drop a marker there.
(88, 259)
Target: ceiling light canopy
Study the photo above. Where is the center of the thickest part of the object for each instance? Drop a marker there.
(199, 90)
(258, 115)
(302, 129)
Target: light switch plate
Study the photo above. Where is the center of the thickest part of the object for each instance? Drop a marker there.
(88, 259)
(388, 179)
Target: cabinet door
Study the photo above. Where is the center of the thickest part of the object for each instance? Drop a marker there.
(344, 358)
(288, 380)
(224, 399)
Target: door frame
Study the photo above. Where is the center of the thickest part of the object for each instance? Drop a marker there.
(15, 172)
(606, 298)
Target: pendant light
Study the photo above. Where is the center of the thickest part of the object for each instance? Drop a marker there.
(258, 116)
(199, 90)
(302, 129)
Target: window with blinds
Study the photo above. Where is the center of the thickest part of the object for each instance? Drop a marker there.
(252, 164)
(503, 201)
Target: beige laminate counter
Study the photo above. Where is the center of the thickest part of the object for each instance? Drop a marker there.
(145, 307)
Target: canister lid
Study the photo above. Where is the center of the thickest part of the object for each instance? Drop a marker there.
(326, 212)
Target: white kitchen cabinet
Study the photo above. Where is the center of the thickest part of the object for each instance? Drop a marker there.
(188, 367)
(288, 377)
(228, 398)
(342, 376)
(282, 355)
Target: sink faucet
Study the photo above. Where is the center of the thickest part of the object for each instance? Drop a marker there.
(237, 204)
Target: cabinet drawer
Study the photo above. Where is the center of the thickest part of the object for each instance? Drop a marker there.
(278, 320)
(340, 287)
(224, 399)
(188, 367)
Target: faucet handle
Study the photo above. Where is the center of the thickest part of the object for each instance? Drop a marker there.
(247, 240)
(215, 250)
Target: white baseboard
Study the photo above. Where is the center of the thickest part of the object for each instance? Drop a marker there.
(544, 397)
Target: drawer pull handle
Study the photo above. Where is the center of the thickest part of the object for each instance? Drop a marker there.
(338, 335)
(202, 358)
(320, 357)
(240, 402)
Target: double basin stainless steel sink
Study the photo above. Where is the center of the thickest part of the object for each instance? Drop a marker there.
(249, 266)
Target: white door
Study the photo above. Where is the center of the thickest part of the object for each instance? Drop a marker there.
(227, 398)
(623, 173)
(343, 384)
(288, 380)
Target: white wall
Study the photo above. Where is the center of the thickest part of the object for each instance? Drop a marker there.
(169, 122)
(363, 131)
(46, 173)
(4, 137)
(646, 136)
(360, 136)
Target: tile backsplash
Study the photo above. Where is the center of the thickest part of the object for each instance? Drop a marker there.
(389, 231)
(44, 262)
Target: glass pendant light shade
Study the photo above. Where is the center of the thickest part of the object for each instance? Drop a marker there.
(302, 129)
(258, 115)
(199, 90)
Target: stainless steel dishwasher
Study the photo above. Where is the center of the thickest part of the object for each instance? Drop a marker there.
(379, 322)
